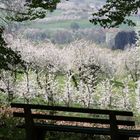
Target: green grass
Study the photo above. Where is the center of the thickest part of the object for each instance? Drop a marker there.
(83, 23)
(66, 24)
(55, 13)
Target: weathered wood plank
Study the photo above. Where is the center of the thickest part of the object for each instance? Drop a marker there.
(77, 119)
(72, 109)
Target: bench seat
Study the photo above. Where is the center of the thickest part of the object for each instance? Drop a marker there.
(80, 129)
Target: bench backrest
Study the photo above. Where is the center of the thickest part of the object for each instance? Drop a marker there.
(111, 120)
(52, 115)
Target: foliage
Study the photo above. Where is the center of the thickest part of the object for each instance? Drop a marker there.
(34, 9)
(65, 36)
(116, 12)
(125, 39)
(132, 63)
(78, 74)
(62, 37)
(8, 130)
(112, 14)
(8, 58)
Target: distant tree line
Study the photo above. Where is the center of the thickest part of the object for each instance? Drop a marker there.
(120, 41)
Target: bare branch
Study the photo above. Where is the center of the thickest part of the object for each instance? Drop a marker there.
(4, 20)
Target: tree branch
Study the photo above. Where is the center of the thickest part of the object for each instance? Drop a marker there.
(11, 10)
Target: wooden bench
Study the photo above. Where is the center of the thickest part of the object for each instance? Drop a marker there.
(35, 129)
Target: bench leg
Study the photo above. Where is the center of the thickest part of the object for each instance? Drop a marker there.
(39, 134)
(30, 134)
(123, 137)
(120, 137)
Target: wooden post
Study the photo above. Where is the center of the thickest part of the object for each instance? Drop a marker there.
(123, 137)
(40, 134)
(30, 135)
(113, 127)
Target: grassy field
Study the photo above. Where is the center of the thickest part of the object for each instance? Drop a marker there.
(55, 13)
(63, 24)
(66, 24)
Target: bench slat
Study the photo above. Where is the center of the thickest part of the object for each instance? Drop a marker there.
(87, 130)
(75, 129)
(73, 109)
(90, 130)
(130, 133)
(75, 119)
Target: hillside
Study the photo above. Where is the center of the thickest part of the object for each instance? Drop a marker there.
(67, 12)
(70, 21)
